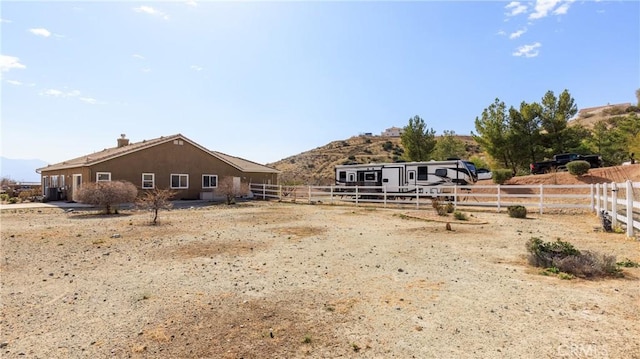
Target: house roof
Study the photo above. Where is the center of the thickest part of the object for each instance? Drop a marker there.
(114, 152)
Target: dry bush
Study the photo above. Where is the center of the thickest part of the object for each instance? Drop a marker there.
(155, 200)
(564, 257)
(230, 191)
(108, 194)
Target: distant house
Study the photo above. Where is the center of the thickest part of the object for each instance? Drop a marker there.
(392, 132)
(172, 162)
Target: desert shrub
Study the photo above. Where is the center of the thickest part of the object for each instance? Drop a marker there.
(230, 191)
(564, 257)
(628, 263)
(368, 140)
(108, 195)
(4, 197)
(459, 216)
(578, 168)
(13, 200)
(155, 200)
(500, 176)
(441, 209)
(449, 207)
(517, 211)
(387, 146)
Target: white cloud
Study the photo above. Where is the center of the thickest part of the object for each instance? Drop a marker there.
(10, 62)
(40, 32)
(59, 93)
(196, 68)
(544, 7)
(14, 82)
(151, 11)
(528, 50)
(191, 3)
(517, 34)
(515, 8)
(6, 21)
(562, 9)
(140, 57)
(501, 33)
(91, 101)
(65, 93)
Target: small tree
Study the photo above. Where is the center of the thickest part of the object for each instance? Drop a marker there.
(230, 191)
(154, 200)
(108, 194)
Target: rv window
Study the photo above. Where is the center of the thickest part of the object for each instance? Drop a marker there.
(441, 172)
(411, 175)
(370, 176)
(422, 173)
(342, 176)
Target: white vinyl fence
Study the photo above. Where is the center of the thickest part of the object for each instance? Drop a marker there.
(620, 201)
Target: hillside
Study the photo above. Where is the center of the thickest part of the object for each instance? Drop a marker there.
(588, 117)
(316, 167)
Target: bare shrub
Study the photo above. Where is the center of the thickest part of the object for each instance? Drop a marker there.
(588, 264)
(230, 191)
(155, 200)
(564, 257)
(108, 194)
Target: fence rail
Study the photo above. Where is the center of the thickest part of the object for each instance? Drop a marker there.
(619, 201)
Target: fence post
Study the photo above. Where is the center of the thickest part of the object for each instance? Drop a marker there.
(384, 190)
(498, 187)
(591, 197)
(309, 194)
(455, 197)
(614, 204)
(417, 198)
(598, 186)
(356, 196)
(629, 193)
(264, 191)
(604, 196)
(331, 194)
(541, 198)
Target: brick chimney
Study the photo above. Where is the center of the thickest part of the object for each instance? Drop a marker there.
(123, 141)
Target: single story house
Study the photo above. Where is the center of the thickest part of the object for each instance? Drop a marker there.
(173, 162)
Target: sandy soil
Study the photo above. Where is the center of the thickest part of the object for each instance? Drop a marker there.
(275, 280)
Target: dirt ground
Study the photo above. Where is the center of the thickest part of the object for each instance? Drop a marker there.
(276, 280)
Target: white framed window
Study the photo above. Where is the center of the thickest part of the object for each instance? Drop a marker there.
(54, 181)
(209, 181)
(148, 180)
(179, 181)
(62, 181)
(103, 176)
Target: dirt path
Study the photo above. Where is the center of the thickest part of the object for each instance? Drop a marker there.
(267, 280)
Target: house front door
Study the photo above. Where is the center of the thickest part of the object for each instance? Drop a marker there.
(75, 186)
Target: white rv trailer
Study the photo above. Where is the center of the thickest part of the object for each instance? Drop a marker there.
(407, 176)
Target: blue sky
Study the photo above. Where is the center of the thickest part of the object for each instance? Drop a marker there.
(267, 80)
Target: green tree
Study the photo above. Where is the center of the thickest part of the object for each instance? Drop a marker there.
(418, 141)
(525, 137)
(554, 115)
(492, 133)
(449, 146)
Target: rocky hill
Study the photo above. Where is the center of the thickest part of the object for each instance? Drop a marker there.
(317, 166)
